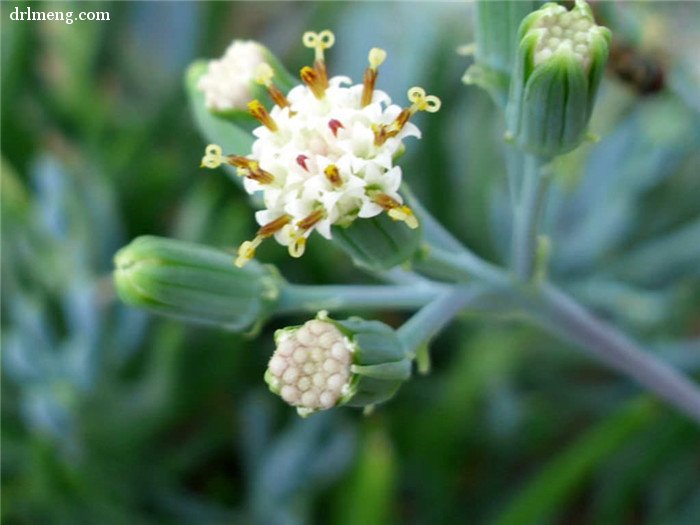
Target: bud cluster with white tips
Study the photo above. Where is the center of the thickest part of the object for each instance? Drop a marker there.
(310, 369)
(563, 31)
(227, 83)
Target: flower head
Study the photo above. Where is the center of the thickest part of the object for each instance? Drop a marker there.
(560, 61)
(227, 83)
(325, 363)
(324, 153)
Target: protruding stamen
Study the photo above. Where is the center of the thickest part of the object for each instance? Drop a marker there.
(333, 175)
(335, 124)
(264, 75)
(213, 157)
(301, 160)
(395, 210)
(319, 42)
(260, 113)
(311, 219)
(419, 102)
(273, 227)
(251, 169)
(376, 57)
(314, 82)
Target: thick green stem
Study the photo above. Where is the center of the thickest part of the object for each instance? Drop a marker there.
(562, 316)
(311, 299)
(528, 212)
(432, 318)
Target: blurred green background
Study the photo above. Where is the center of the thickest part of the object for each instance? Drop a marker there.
(111, 416)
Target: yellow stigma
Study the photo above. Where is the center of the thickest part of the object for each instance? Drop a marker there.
(319, 41)
(212, 157)
(297, 245)
(264, 74)
(376, 57)
(405, 214)
(246, 251)
(422, 102)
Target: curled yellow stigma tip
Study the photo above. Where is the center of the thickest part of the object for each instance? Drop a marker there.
(213, 157)
(422, 102)
(318, 41)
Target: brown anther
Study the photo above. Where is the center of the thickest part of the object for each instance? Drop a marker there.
(273, 227)
(251, 169)
(335, 125)
(310, 220)
(385, 201)
(314, 82)
(260, 113)
(277, 96)
(370, 79)
(320, 67)
(301, 160)
(333, 175)
(385, 132)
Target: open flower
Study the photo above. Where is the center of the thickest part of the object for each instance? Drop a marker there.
(324, 154)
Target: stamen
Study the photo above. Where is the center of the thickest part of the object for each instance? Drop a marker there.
(263, 76)
(251, 169)
(335, 125)
(319, 42)
(376, 57)
(333, 175)
(419, 102)
(310, 220)
(260, 113)
(395, 210)
(246, 251)
(314, 82)
(212, 157)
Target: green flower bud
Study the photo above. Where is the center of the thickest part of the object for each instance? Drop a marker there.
(560, 62)
(326, 363)
(194, 283)
(379, 243)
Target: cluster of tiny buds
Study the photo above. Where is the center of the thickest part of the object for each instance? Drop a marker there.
(564, 31)
(310, 368)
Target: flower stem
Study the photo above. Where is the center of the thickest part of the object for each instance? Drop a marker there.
(562, 316)
(301, 298)
(527, 216)
(432, 318)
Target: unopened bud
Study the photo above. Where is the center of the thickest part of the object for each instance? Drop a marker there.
(326, 363)
(559, 66)
(194, 283)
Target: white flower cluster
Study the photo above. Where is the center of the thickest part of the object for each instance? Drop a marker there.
(227, 83)
(310, 369)
(565, 31)
(324, 154)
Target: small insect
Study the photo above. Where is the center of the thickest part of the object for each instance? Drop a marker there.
(642, 71)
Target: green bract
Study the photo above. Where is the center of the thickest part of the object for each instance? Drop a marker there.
(560, 61)
(326, 363)
(379, 243)
(194, 283)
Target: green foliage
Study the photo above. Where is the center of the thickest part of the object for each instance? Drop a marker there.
(113, 416)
